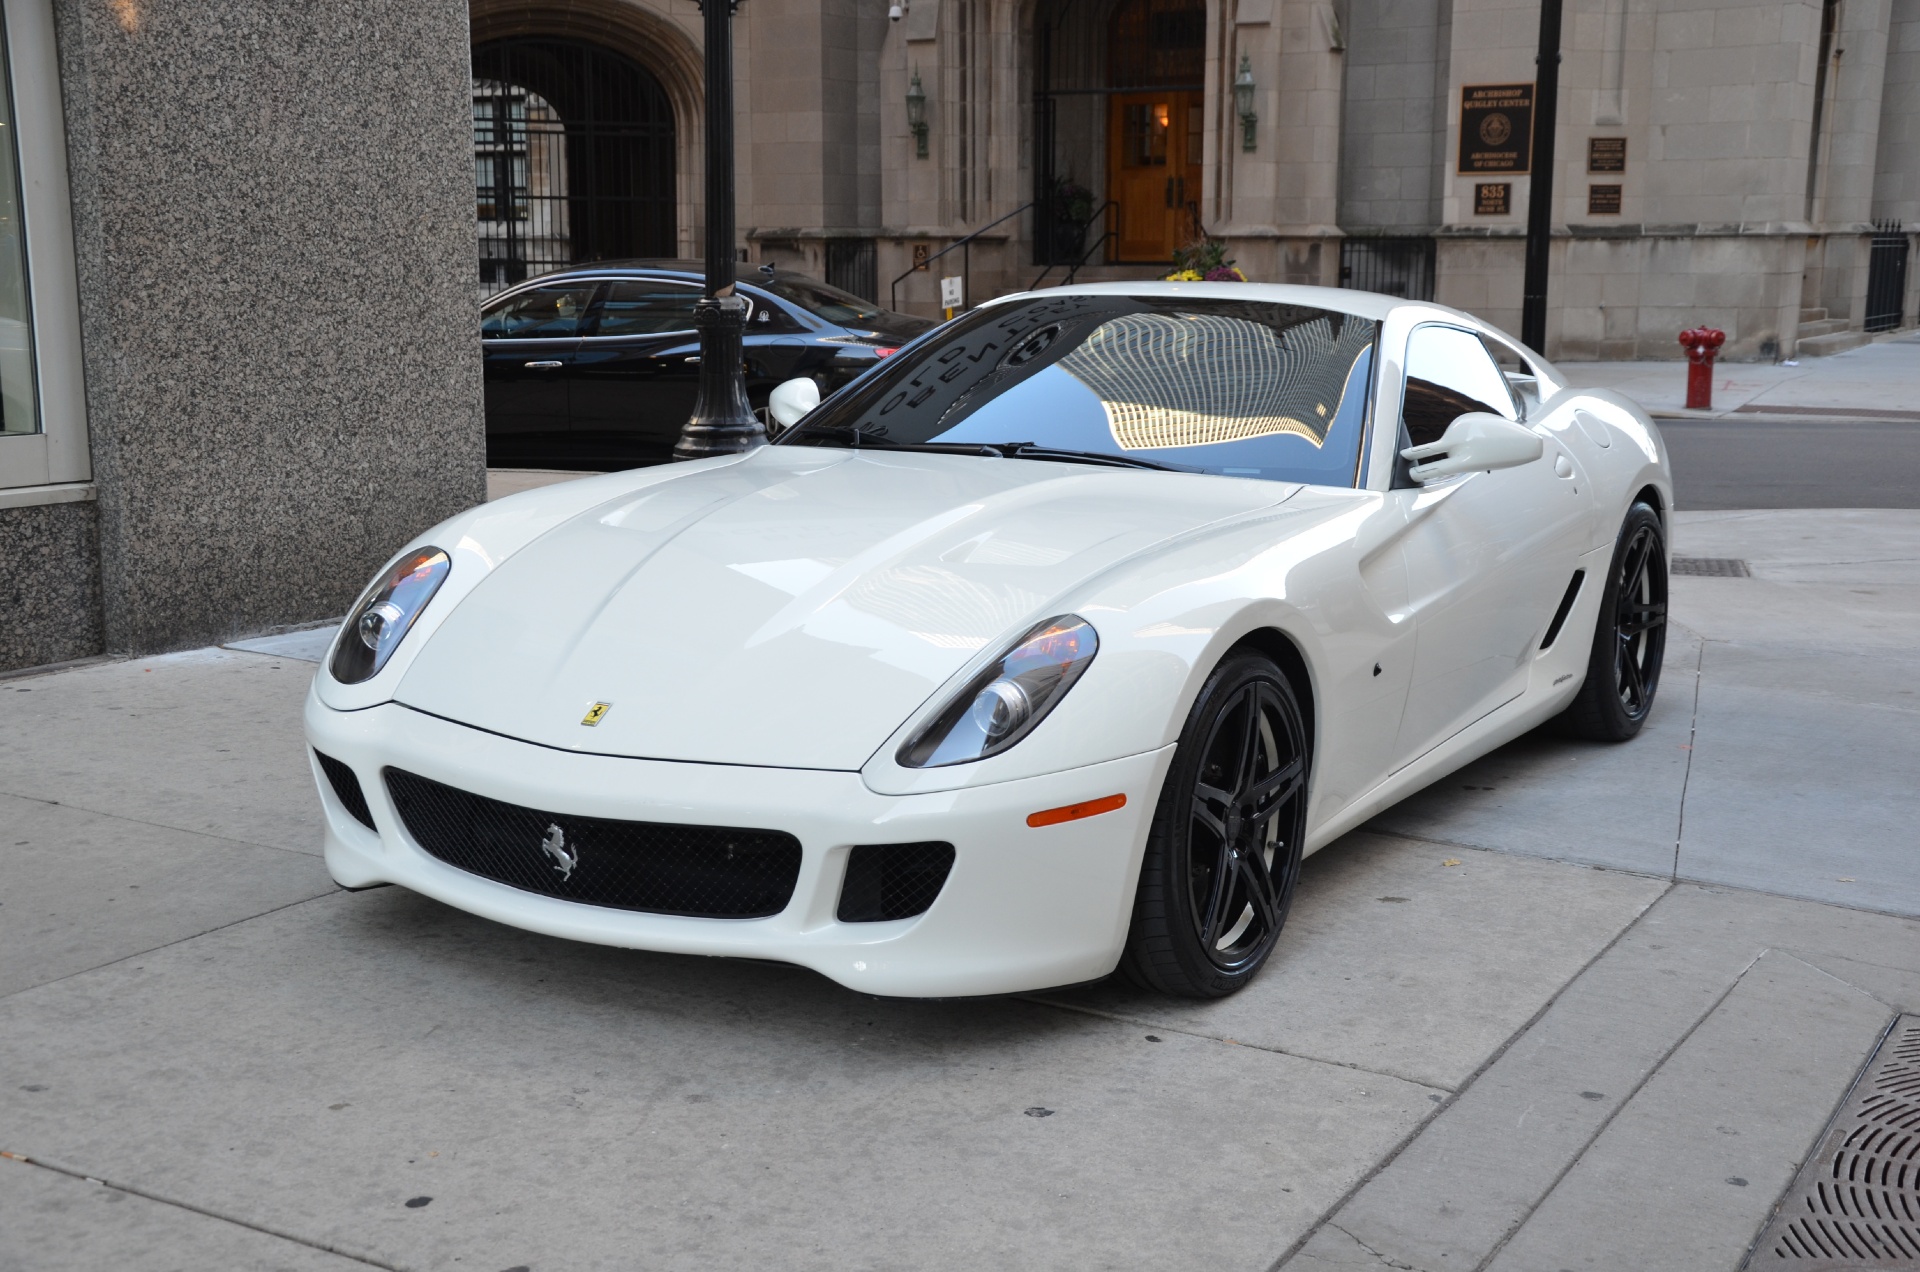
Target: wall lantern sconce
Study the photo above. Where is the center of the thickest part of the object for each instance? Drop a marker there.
(917, 114)
(1243, 102)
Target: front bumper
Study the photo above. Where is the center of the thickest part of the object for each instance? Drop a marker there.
(1023, 908)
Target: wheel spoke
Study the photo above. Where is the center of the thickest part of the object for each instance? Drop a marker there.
(1210, 819)
(1219, 894)
(1260, 889)
(1275, 789)
(1633, 687)
(1248, 761)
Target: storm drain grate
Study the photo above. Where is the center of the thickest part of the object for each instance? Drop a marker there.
(1856, 1203)
(1712, 567)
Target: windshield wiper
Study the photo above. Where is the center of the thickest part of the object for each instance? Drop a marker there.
(1029, 450)
(840, 434)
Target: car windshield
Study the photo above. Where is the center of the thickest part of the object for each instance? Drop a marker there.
(1240, 388)
(843, 309)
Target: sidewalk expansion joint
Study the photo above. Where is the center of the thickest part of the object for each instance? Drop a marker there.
(1498, 1053)
(1230, 1042)
(141, 821)
(167, 945)
(1384, 1260)
(325, 1247)
(1693, 740)
(1619, 1105)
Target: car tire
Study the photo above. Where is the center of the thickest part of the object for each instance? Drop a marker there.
(1223, 854)
(1629, 636)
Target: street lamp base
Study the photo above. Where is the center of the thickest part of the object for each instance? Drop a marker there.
(723, 422)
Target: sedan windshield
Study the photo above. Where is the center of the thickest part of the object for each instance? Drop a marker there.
(1239, 388)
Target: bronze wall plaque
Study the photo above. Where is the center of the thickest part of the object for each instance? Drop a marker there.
(1496, 128)
(1606, 154)
(1492, 198)
(1603, 200)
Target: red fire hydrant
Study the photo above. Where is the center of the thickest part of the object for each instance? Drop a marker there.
(1703, 346)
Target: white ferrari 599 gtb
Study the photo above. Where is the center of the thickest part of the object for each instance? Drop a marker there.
(1049, 646)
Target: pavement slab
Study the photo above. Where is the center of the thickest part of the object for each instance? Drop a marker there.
(1482, 1171)
(1411, 959)
(80, 889)
(314, 1070)
(58, 1221)
(207, 741)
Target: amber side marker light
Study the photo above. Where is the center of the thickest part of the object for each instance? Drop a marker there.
(1074, 812)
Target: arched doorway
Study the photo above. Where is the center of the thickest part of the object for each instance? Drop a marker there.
(574, 158)
(1118, 94)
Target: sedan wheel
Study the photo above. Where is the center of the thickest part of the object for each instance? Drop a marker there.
(1629, 638)
(1223, 857)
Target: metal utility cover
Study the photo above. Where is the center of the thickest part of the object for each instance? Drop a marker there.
(1856, 1203)
(1712, 567)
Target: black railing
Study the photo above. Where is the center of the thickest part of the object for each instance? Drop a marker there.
(1086, 254)
(1391, 266)
(966, 267)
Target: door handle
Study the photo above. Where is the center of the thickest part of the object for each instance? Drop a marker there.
(542, 366)
(693, 358)
(1166, 195)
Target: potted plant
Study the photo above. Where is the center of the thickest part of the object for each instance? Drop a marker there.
(1204, 260)
(1072, 205)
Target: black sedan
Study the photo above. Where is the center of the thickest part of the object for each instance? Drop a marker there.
(597, 367)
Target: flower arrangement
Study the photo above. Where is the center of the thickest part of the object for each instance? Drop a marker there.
(1204, 260)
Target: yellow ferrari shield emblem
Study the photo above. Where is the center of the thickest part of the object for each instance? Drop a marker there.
(596, 713)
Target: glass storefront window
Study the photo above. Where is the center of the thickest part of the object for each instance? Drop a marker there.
(19, 412)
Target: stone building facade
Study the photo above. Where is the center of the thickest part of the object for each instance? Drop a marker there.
(238, 354)
(1750, 152)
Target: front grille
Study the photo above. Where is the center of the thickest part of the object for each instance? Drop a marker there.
(347, 787)
(893, 881)
(709, 872)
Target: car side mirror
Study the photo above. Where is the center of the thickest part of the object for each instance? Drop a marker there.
(790, 401)
(1474, 442)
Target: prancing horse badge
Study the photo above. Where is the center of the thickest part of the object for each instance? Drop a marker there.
(596, 713)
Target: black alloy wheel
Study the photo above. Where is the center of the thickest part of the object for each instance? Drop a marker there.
(1223, 857)
(1630, 635)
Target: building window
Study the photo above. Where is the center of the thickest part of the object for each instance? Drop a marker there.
(19, 401)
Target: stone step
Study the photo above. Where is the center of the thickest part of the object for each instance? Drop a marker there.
(1812, 315)
(1838, 342)
(1821, 327)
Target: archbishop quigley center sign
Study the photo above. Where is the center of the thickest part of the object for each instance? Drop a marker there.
(1496, 129)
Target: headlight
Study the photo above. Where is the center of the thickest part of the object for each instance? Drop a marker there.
(384, 616)
(1003, 703)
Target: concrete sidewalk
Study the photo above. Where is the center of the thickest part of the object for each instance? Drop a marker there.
(1573, 1007)
(1873, 381)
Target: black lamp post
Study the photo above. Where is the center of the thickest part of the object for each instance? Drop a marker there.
(722, 422)
(1546, 102)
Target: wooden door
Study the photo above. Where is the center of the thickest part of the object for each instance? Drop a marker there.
(1153, 165)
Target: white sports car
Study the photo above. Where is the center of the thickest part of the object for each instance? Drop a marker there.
(1050, 645)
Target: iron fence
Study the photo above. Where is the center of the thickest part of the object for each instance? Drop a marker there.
(1887, 277)
(1391, 266)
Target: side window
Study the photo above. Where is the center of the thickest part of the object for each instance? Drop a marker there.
(646, 307)
(1522, 383)
(1448, 375)
(538, 313)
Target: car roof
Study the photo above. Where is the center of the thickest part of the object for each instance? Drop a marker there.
(691, 269)
(1339, 299)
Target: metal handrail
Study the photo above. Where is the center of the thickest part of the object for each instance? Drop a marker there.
(893, 289)
(1084, 225)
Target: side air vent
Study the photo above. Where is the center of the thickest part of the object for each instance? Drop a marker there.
(1566, 608)
(893, 881)
(347, 787)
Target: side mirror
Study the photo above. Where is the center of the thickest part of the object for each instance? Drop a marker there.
(1474, 442)
(790, 401)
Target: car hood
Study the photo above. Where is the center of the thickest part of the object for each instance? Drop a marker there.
(791, 610)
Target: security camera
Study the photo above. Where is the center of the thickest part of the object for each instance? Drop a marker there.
(894, 11)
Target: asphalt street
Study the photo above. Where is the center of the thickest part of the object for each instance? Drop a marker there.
(1758, 461)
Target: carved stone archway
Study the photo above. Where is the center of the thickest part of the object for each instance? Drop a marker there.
(649, 37)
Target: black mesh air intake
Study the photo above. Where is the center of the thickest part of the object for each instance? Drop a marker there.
(711, 872)
(893, 881)
(347, 787)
